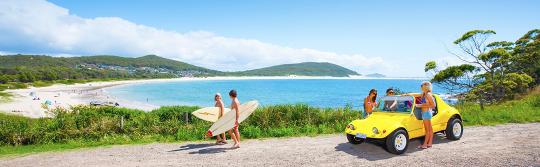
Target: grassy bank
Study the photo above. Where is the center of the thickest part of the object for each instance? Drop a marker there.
(87, 126)
(91, 127)
(524, 110)
(5, 97)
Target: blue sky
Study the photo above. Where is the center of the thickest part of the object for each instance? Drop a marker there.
(398, 37)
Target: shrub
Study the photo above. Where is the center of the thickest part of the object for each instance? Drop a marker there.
(90, 123)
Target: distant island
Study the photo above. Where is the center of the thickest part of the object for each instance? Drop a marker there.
(31, 68)
(299, 69)
(376, 75)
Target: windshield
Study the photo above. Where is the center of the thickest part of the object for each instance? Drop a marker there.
(396, 104)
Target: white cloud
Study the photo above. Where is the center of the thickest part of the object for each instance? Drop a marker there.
(39, 26)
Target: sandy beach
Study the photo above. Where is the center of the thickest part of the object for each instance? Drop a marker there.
(25, 102)
(30, 102)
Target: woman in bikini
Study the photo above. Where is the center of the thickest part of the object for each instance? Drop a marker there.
(427, 104)
(370, 102)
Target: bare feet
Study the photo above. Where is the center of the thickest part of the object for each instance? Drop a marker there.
(422, 147)
(236, 145)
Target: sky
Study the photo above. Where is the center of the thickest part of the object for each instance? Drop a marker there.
(394, 38)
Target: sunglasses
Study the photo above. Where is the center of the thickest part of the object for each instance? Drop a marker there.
(390, 92)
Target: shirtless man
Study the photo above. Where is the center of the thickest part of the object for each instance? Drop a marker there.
(220, 139)
(234, 133)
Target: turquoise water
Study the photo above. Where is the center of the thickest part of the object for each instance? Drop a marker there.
(316, 92)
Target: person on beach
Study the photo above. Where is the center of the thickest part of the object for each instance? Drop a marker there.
(370, 102)
(389, 105)
(234, 133)
(220, 139)
(427, 103)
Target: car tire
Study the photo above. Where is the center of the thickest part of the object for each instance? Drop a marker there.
(354, 140)
(397, 142)
(454, 129)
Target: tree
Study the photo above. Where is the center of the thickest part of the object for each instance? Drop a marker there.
(26, 76)
(49, 75)
(486, 74)
(4, 79)
(527, 55)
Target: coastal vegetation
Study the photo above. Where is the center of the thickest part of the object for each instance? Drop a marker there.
(86, 126)
(5, 97)
(20, 71)
(89, 126)
(491, 72)
(522, 110)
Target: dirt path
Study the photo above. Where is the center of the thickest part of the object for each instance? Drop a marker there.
(504, 145)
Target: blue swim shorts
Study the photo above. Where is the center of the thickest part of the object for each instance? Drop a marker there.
(426, 115)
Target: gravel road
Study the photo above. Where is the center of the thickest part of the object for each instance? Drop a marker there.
(503, 145)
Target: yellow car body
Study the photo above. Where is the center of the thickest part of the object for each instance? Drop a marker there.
(379, 125)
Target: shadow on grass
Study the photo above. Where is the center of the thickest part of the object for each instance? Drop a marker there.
(374, 151)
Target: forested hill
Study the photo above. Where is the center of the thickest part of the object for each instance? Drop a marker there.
(32, 68)
(301, 69)
(12, 61)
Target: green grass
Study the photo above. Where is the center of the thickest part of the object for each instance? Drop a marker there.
(524, 110)
(42, 83)
(5, 97)
(13, 85)
(87, 126)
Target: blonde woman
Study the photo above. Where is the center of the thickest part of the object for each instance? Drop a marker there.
(427, 105)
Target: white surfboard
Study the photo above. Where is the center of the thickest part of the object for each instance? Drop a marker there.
(210, 114)
(226, 122)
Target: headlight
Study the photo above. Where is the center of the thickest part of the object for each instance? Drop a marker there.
(350, 126)
(375, 130)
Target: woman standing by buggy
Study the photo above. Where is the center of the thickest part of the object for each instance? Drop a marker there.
(427, 105)
(370, 102)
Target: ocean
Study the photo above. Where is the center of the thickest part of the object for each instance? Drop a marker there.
(315, 92)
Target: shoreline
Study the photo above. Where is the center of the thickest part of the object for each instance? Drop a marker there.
(24, 102)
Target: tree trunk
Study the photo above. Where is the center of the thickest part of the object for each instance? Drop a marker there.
(481, 102)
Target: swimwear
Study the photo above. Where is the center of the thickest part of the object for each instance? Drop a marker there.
(427, 115)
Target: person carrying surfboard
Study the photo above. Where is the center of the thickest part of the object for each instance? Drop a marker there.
(220, 139)
(234, 133)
